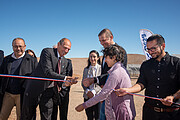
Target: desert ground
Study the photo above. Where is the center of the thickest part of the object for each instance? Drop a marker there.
(76, 93)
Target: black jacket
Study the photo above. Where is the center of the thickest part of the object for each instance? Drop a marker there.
(47, 68)
(28, 64)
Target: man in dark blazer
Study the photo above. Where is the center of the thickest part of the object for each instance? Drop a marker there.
(1, 56)
(106, 39)
(1, 60)
(54, 65)
(12, 89)
(63, 98)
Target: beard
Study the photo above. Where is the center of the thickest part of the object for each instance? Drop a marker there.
(159, 54)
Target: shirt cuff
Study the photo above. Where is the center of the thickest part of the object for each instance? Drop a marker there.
(65, 77)
(94, 92)
(64, 87)
(96, 80)
(87, 90)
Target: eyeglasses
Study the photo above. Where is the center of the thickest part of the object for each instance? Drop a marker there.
(152, 49)
(103, 40)
(16, 47)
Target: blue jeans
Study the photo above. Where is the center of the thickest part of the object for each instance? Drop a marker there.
(102, 111)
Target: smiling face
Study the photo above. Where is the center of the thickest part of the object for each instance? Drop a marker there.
(155, 50)
(110, 62)
(105, 40)
(93, 58)
(18, 47)
(64, 48)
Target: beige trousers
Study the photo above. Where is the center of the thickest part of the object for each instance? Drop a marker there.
(9, 101)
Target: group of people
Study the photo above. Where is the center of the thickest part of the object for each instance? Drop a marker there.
(27, 94)
(159, 76)
(106, 82)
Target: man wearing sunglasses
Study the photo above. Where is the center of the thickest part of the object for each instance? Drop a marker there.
(160, 77)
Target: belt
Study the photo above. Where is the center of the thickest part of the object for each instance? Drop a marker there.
(157, 109)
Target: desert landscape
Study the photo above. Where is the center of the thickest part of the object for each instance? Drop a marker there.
(76, 93)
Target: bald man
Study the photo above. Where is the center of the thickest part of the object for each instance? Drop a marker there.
(54, 65)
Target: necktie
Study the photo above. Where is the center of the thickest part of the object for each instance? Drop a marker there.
(58, 70)
(59, 65)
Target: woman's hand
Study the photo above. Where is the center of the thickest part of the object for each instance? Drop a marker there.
(90, 94)
(79, 108)
(121, 91)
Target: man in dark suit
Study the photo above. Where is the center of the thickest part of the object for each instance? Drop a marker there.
(17, 63)
(54, 65)
(1, 60)
(63, 98)
(106, 39)
(1, 56)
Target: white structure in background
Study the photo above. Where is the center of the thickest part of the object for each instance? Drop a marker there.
(144, 35)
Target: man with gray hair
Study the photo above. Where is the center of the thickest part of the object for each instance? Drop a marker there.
(17, 63)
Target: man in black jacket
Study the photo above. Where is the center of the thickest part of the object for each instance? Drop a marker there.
(160, 77)
(1, 56)
(17, 63)
(1, 60)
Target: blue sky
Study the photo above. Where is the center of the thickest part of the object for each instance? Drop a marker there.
(42, 23)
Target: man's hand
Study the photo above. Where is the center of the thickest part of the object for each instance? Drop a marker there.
(168, 100)
(90, 94)
(79, 108)
(121, 91)
(88, 81)
(71, 80)
(74, 80)
(67, 83)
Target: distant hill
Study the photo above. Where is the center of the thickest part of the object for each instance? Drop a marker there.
(135, 58)
(177, 55)
(80, 63)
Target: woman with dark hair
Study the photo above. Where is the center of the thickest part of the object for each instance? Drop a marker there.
(31, 52)
(93, 69)
(116, 108)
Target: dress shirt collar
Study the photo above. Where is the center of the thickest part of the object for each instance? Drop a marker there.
(13, 56)
(115, 66)
(95, 67)
(165, 58)
(58, 55)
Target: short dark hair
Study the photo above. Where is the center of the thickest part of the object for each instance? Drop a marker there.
(105, 31)
(114, 50)
(29, 50)
(160, 40)
(96, 52)
(18, 38)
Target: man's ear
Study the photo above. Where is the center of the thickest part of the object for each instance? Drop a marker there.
(163, 46)
(58, 44)
(111, 37)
